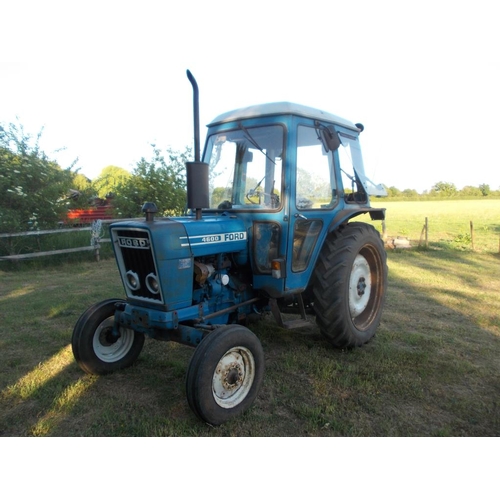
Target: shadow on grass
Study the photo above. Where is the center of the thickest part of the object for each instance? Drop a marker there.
(432, 369)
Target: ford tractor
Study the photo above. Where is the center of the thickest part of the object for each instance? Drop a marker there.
(268, 231)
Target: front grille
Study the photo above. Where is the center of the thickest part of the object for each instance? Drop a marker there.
(137, 264)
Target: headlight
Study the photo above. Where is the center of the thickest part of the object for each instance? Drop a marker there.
(152, 283)
(133, 280)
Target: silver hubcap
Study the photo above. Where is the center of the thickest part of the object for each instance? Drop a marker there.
(233, 377)
(109, 348)
(360, 284)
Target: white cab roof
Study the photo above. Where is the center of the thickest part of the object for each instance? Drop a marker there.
(281, 108)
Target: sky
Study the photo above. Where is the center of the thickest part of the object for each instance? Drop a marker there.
(106, 79)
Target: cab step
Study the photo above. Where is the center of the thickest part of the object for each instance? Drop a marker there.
(292, 323)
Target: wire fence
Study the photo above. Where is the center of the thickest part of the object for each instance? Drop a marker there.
(433, 233)
(462, 225)
(399, 231)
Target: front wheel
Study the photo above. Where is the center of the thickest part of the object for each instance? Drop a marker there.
(225, 374)
(97, 348)
(349, 285)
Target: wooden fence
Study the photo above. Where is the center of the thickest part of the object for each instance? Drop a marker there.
(95, 241)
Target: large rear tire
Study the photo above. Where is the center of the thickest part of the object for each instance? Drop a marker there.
(349, 285)
(96, 348)
(225, 374)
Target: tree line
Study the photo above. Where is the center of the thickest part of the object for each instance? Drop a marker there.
(444, 190)
(37, 193)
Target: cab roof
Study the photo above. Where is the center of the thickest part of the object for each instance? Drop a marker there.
(281, 108)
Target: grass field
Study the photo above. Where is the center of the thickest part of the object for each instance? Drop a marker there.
(448, 222)
(432, 369)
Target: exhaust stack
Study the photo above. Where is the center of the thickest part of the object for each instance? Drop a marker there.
(196, 171)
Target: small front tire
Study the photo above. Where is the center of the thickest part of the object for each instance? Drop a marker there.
(96, 348)
(225, 374)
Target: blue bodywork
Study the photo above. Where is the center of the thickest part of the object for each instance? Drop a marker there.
(183, 275)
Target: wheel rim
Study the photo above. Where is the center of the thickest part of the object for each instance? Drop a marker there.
(365, 287)
(360, 285)
(108, 347)
(233, 377)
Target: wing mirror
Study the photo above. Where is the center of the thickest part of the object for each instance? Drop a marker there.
(329, 138)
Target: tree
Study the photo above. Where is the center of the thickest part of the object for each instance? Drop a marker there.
(81, 193)
(485, 189)
(444, 188)
(34, 188)
(470, 191)
(160, 180)
(81, 183)
(109, 179)
(219, 194)
(410, 193)
(393, 192)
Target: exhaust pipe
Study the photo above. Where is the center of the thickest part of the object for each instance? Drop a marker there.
(196, 171)
(196, 115)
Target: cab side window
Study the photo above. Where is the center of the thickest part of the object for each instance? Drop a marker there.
(316, 186)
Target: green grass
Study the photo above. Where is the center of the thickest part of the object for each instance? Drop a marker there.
(431, 370)
(448, 222)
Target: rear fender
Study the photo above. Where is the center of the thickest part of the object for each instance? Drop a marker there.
(347, 214)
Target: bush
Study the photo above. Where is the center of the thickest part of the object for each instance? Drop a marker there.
(33, 187)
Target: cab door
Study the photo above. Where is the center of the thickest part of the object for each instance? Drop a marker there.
(314, 195)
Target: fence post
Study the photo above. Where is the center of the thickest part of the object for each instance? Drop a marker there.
(96, 232)
(472, 234)
(425, 232)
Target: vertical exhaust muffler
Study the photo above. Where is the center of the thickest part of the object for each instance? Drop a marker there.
(196, 171)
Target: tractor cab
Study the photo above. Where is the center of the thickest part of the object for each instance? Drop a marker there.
(293, 174)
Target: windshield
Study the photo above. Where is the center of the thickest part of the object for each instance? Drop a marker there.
(245, 168)
(351, 167)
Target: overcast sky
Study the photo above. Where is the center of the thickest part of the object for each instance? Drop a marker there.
(106, 79)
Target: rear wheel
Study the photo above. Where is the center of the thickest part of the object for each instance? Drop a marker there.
(349, 285)
(97, 348)
(225, 374)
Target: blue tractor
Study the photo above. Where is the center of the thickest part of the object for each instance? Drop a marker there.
(268, 231)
